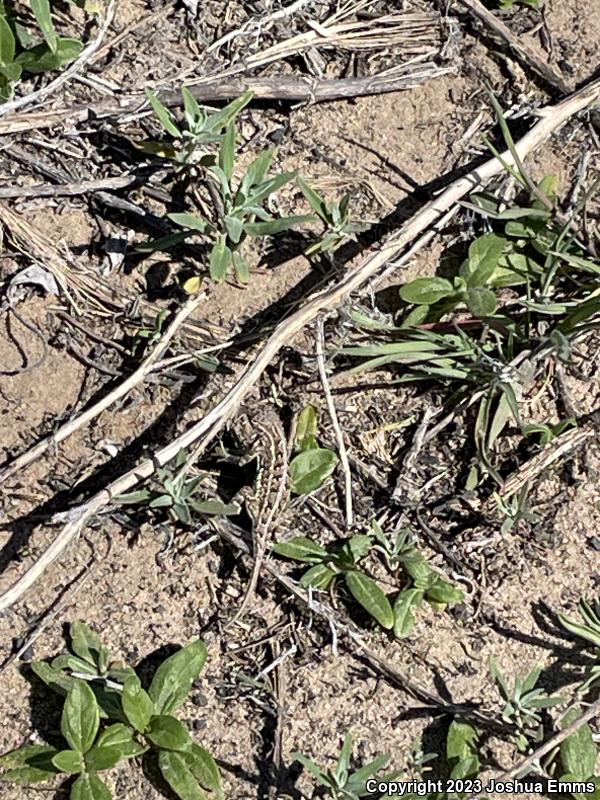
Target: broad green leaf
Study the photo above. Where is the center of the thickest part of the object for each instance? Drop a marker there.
(585, 795)
(68, 761)
(366, 592)
(7, 42)
(319, 577)
(310, 469)
(466, 768)
(443, 591)
(578, 752)
(481, 302)
(357, 779)
(73, 663)
(220, 119)
(484, 255)
(42, 59)
(343, 765)
(28, 765)
(426, 291)
(90, 787)
(404, 606)
(179, 776)
(101, 758)
(275, 225)
(168, 733)
(174, 678)
(306, 429)
(261, 192)
(301, 548)
(242, 269)
(120, 737)
(137, 705)
(204, 768)
(215, 507)
(416, 565)
(359, 546)
(220, 259)
(193, 112)
(88, 646)
(461, 741)
(257, 170)
(55, 679)
(164, 115)
(235, 228)
(43, 16)
(80, 717)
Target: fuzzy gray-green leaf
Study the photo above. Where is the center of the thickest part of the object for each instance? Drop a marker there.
(371, 597)
(80, 718)
(174, 677)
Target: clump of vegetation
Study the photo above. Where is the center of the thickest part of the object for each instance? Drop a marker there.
(524, 294)
(23, 50)
(339, 561)
(343, 782)
(181, 494)
(108, 717)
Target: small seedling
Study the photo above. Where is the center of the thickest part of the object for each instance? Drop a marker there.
(523, 704)
(343, 783)
(312, 464)
(587, 629)
(145, 337)
(203, 127)
(339, 562)
(512, 3)
(105, 721)
(336, 218)
(182, 496)
(239, 212)
(424, 584)
(22, 52)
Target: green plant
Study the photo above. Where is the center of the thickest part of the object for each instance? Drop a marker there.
(343, 783)
(238, 212)
(525, 292)
(578, 756)
(339, 561)
(523, 703)
(460, 763)
(587, 629)
(311, 465)
(182, 496)
(512, 3)
(108, 716)
(203, 127)
(22, 51)
(335, 216)
(147, 336)
(424, 584)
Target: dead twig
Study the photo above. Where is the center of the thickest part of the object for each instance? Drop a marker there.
(204, 431)
(339, 436)
(528, 57)
(66, 189)
(289, 88)
(51, 442)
